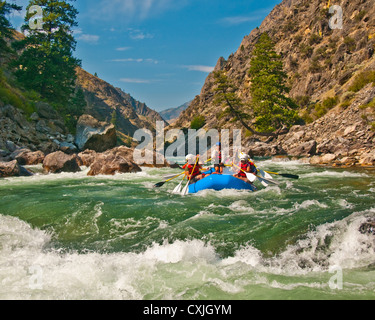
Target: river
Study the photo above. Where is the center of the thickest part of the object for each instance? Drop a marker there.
(70, 236)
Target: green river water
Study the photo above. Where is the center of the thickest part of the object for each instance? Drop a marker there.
(69, 236)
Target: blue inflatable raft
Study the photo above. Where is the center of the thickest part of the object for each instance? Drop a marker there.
(219, 182)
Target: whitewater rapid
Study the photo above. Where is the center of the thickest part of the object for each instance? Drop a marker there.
(146, 244)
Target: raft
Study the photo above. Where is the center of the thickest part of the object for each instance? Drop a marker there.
(220, 182)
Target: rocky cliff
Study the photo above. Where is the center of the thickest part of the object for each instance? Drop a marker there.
(104, 102)
(107, 103)
(331, 76)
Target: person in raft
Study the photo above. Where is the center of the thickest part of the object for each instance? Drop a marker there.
(246, 165)
(217, 158)
(193, 168)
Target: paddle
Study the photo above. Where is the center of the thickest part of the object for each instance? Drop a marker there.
(251, 177)
(160, 184)
(169, 176)
(264, 175)
(266, 182)
(178, 188)
(186, 189)
(285, 175)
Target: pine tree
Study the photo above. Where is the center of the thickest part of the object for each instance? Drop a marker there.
(78, 104)
(75, 109)
(226, 96)
(273, 110)
(46, 64)
(5, 25)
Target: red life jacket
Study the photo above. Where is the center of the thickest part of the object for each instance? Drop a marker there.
(245, 167)
(220, 157)
(196, 171)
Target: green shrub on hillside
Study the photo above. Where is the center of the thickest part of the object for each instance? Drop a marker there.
(362, 80)
(198, 122)
(14, 97)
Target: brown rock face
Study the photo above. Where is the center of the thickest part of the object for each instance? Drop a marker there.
(9, 169)
(28, 157)
(58, 162)
(12, 169)
(117, 160)
(322, 63)
(87, 157)
(104, 100)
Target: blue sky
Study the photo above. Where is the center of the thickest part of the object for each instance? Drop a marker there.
(160, 51)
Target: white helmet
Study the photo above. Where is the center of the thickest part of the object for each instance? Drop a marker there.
(244, 156)
(190, 158)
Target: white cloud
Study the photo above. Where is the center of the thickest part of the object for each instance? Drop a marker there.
(253, 16)
(135, 80)
(200, 68)
(238, 20)
(139, 60)
(89, 38)
(123, 49)
(137, 34)
(133, 10)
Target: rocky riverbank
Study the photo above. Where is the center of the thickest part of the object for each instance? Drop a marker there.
(116, 160)
(341, 138)
(43, 139)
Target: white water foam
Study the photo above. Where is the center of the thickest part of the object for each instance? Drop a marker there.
(309, 203)
(334, 174)
(166, 270)
(146, 174)
(85, 276)
(332, 244)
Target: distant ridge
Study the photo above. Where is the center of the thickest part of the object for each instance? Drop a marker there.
(172, 114)
(107, 103)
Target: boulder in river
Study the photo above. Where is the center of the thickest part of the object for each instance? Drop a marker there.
(116, 160)
(87, 157)
(95, 135)
(12, 169)
(26, 157)
(59, 161)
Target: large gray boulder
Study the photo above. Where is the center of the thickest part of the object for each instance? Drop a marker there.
(95, 135)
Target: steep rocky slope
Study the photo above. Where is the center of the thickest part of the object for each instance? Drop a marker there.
(104, 102)
(107, 103)
(325, 68)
